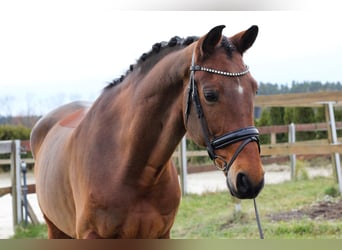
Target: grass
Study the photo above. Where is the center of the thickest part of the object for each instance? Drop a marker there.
(31, 231)
(213, 215)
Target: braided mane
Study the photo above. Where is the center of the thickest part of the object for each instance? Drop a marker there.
(158, 51)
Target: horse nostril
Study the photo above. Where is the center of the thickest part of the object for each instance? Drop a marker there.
(243, 184)
(245, 189)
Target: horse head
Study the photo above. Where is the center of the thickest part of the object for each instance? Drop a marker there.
(219, 108)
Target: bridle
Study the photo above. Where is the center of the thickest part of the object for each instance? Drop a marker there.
(246, 135)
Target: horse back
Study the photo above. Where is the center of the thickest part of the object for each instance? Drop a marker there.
(63, 115)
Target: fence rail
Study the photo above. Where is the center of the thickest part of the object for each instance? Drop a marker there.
(304, 147)
(321, 147)
(315, 99)
(275, 129)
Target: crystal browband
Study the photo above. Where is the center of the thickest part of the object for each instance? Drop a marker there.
(219, 72)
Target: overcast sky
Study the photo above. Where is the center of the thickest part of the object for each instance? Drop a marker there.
(52, 54)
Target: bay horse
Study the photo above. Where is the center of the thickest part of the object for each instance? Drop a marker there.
(105, 171)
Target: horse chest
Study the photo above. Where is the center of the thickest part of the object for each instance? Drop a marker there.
(146, 221)
(130, 215)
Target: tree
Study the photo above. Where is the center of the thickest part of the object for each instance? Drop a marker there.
(264, 120)
(304, 115)
(289, 115)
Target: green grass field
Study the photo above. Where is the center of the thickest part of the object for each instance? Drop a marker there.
(213, 215)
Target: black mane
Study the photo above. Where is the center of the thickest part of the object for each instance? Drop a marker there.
(161, 49)
(228, 46)
(157, 52)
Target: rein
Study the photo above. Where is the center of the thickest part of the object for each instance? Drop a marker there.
(246, 135)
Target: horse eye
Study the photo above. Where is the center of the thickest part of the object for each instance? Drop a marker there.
(211, 96)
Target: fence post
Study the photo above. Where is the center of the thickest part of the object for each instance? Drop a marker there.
(273, 138)
(332, 136)
(292, 139)
(16, 183)
(183, 166)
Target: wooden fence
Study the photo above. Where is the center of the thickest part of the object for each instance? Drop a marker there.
(328, 100)
(18, 191)
(329, 146)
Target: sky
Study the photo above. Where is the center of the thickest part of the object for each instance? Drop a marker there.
(51, 54)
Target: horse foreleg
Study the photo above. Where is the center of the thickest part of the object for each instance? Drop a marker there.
(54, 232)
(92, 235)
(166, 235)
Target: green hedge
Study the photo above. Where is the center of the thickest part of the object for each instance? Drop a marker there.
(10, 132)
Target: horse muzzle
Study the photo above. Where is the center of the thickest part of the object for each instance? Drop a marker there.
(244, 188)
(241, 183)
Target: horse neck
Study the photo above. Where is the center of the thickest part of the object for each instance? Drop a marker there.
(143, 119)
(157, 107)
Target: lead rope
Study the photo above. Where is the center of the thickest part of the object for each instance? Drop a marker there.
(258, 220)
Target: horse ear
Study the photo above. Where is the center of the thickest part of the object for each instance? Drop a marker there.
(245, 39)
(211, 40)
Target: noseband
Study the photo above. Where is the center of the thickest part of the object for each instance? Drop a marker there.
(246, 135)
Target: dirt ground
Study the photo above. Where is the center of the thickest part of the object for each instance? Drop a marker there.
(327, 210)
